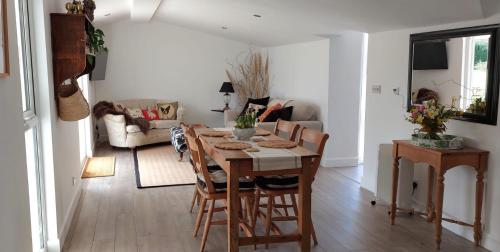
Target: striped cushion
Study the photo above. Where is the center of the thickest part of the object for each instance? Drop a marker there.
(277, 182)
(211, 164)
(219, 180)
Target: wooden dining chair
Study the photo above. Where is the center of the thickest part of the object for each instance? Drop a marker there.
(211, 186)
(290, 128)
(281, 186)
(189, 130)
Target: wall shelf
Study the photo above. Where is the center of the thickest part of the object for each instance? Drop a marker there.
(69, 47)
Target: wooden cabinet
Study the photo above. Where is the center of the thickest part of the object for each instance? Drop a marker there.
(69, 47)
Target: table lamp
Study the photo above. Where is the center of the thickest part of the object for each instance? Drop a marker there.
(227, 87)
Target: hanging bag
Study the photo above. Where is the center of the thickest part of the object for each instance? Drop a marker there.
(72, 104)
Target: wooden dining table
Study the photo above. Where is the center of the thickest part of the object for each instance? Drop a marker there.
(236, 164)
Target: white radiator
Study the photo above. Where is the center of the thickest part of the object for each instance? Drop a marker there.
(384, 178)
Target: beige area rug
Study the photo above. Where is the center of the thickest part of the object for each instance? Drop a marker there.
(99, 167)
(158, 165)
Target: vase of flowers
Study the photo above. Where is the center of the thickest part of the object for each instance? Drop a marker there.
(432, 117)
(245, 126)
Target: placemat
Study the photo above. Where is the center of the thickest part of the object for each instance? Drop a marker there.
(261, 132)
(230, 145)
(214, 133)
(277, 144)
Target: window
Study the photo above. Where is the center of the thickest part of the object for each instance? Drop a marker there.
(32, 129)
(85, 125)
(475, 72)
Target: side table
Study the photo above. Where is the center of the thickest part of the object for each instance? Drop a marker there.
(439, 162)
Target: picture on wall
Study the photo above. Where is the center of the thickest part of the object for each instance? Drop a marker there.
(4, 43)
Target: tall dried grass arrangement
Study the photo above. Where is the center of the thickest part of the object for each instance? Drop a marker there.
(251, 77)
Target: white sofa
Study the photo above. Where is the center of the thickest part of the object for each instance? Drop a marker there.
(304, 114)
(130, 136)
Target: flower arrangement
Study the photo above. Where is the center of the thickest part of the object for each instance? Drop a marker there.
(246, 121)
(432, 117)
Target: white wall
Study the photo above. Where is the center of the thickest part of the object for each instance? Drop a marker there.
(15, 231)
(344, 94)
(158, 60)
(301, 72)
(388, 66)
(326, 73)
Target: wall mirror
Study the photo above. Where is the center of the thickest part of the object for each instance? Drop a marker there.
(457, 67)
(4, 42)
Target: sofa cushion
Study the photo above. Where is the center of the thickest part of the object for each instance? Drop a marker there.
(257, 108)
(133, 129)
(135, 112)
(302, 111)
(150, 114)
(260, 101)
(281, 113)
(268, 111)
(164, 124)
(283, 102)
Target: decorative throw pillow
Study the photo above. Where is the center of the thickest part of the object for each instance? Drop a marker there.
(151, 114)
(282, 113)
(259, 101)
(283, 102)
(258, 109)
(135, 112)
(268, 111)
(168, 110)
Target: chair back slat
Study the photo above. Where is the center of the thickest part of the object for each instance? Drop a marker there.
(287, 127)
(318, 141)
(199, 161)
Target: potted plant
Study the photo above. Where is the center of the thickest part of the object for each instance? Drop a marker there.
(245, 126)
(95, 44)
(432, 117)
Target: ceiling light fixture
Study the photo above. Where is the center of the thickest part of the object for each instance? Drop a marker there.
(224, 27)
(257, 15)
(107, 15)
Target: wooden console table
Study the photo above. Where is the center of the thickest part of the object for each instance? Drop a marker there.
(439, 162)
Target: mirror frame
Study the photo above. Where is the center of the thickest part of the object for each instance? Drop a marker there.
(492, 86)
(6, 71)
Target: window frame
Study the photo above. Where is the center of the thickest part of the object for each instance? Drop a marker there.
(30, 116)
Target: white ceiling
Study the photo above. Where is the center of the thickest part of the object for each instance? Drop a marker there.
(292, 21)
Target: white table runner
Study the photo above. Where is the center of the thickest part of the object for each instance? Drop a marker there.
(269, 159)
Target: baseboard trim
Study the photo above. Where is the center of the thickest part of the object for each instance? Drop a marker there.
(68, 217)
(488, 241)
(340, 162)
(53, 245)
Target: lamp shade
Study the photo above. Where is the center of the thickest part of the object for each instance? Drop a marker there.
(227, 87)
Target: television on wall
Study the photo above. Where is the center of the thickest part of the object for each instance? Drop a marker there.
(99, 72)
(430, 55)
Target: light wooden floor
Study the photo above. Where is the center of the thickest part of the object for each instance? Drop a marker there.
(354, 172)
(113, 215)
